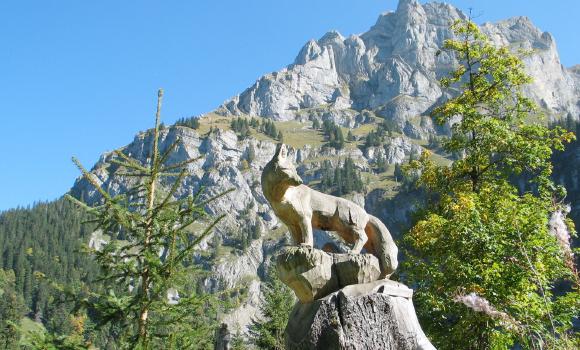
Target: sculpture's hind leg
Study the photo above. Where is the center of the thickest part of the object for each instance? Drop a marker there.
(296, 233)
(360, 239)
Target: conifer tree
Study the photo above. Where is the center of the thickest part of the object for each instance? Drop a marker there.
(12, 310)
(251, 154)
(148, 299)
(278, 302)
(315, 124)
(191, 122)
(350, 136)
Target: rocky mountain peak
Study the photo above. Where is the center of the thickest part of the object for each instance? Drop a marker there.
(393, 70)
(407, 3)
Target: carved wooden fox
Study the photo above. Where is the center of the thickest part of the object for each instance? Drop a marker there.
(302, 209)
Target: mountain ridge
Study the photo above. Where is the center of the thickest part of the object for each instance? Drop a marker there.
(398, 56)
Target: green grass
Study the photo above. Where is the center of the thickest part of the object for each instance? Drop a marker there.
(295, 134)
(213, 120)
(298, 134)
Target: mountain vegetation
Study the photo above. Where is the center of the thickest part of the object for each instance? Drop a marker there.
(242, 127)
(42, 246)
(342, 179)
(11, 310)
(278, 302)
(333, 134)
(192, 122)
(567, 169)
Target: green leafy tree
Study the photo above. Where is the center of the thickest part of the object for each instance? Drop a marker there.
(278, 303)
(149, 299)
(482, 256)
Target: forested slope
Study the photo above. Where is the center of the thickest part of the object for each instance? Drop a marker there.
(42, 244)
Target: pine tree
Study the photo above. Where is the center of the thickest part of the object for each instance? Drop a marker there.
(278, 302)
(333, 134)
(191, 122)
(251, 154)
(399, 174)
(149, 301)
(12, 310)
(238, 342)
(254, 123)
(350, 136)
(381, 163)
(315, 124)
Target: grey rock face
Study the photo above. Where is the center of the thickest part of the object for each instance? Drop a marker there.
(377, 315)
(393, 68)
(313, 274)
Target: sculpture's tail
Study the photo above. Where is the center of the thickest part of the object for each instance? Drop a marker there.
(381, 244)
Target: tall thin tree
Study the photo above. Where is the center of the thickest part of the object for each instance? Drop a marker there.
(150, 298)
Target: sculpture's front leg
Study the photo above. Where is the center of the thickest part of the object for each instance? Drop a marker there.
(306, 228)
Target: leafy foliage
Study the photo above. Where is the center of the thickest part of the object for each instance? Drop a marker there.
(479, 238)
(567, 168)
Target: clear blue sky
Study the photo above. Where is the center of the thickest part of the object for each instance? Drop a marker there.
(80, 77)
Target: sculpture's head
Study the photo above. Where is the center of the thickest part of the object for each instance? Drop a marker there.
(280, 171)
(284, 165)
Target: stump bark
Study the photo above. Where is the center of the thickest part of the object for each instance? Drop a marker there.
(378, 315)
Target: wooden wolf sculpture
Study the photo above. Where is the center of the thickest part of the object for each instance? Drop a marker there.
(302, 209)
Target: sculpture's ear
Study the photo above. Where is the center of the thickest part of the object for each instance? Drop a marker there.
(278, 148)
(281, 151)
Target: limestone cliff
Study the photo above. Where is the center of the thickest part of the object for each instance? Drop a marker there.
(393, 68)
